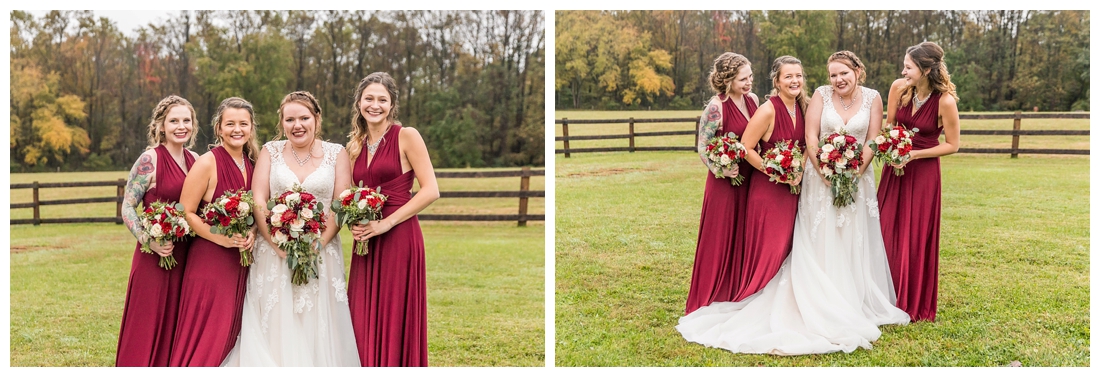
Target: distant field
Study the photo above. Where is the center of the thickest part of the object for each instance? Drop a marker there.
(968, 141)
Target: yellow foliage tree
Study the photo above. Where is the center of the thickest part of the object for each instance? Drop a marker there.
(41, 130)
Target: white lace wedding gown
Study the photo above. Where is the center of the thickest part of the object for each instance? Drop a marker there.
(296, 325)
(833, 290)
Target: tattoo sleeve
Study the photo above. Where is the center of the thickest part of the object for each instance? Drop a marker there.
(708, 127)
(136, 186)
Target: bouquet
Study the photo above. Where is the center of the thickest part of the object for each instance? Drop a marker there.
(162, 223)
(725, 152)
(296, 224)
(783, 163)
(838, 160)
(893, 144)
(231, 214)
(358, 205)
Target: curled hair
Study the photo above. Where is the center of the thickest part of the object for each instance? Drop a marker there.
(779, 62)
(358, 135)
(307, 100)
(929, 55)
(251, 149)
(156, 122)
(850, 59)
(725, 70)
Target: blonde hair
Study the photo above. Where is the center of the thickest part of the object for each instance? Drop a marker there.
(306, 99)
(779, 62)
(156, 122)
(359, 133)
(929, 55)
(725, 70)
(251, 148)
(850, 59)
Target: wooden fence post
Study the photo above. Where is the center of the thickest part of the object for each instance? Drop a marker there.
(1016, 135)
(524, 187)
(631, 134)
(565, 135)
(118, 203)
(37, 218)
(697, 119)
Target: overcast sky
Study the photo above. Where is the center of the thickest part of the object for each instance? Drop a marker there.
(126, 20)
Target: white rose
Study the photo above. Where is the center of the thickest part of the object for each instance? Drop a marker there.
(894, 133)
(155, 231)
(279, 209)
(280, 238)
(307, 213)
(725, 160)
(796, 163)
(778, 158)
(243, 208)
(842, 162)
(839, 139)
(827, 148)
(827, 172)
(293, 198)
(894, 153)
(880, 140)
(362, 203)
(345, 193)
(186, 228)
(223, 202)
(714, 157)
(849, 154)
(824, 156)
(297, 224)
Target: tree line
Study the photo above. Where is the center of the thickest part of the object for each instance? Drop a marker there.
(82, 91)
(999, 59)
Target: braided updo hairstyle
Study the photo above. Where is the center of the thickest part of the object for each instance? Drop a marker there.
(929, 55)
(156, 122)
(725, 70)
(307, 100)
(850, 59)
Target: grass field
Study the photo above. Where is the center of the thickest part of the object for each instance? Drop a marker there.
(485, 280)
(1014, 266)
(968, 141)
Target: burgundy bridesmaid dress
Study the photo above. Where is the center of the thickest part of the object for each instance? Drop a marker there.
(909, 208)
(770, 212)
(153, 293)
(717, 254)
(387, 291)
(212, 296)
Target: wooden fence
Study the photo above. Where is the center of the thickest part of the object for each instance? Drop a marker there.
(1015, 132)
(521, 218)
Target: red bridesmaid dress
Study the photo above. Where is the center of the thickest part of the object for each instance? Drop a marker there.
(153, 293)
(387, 291)
(212, 297)
(770, 212)
(718, 267)
(909, 208)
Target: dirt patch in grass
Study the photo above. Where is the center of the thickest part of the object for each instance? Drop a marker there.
(609, 171)
(26, 249)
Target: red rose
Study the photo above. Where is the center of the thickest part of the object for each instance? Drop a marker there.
(307, 197)
(231, 207)
(225, 220)
(288, 216)
(850, 139)
(834, 155)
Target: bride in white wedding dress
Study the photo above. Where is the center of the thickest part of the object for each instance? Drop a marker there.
(297, 325)
(834, 289)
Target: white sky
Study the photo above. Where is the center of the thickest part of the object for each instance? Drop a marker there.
(126, 20)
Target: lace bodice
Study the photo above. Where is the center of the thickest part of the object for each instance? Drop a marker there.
(857, 126)
(319, 182)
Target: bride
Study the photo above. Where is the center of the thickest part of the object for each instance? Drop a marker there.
(834, 289)
(297, 325)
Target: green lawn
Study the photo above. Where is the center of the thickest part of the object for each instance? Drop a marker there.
(485, 280)
(1014, 257)
(968, 141)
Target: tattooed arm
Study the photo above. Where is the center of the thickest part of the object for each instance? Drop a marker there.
(708, 127)
(142, 178)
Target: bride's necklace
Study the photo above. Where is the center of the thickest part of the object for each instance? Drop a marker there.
(301, 161)
(849, 105)
(917, 102)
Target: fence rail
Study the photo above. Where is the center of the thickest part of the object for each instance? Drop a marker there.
(1015, 132)
(522, 217)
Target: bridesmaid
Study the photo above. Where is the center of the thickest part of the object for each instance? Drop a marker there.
(213, 290)
(771, 208)
(386, 287)
(152, 296)
(717, 254)
(910, 204)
